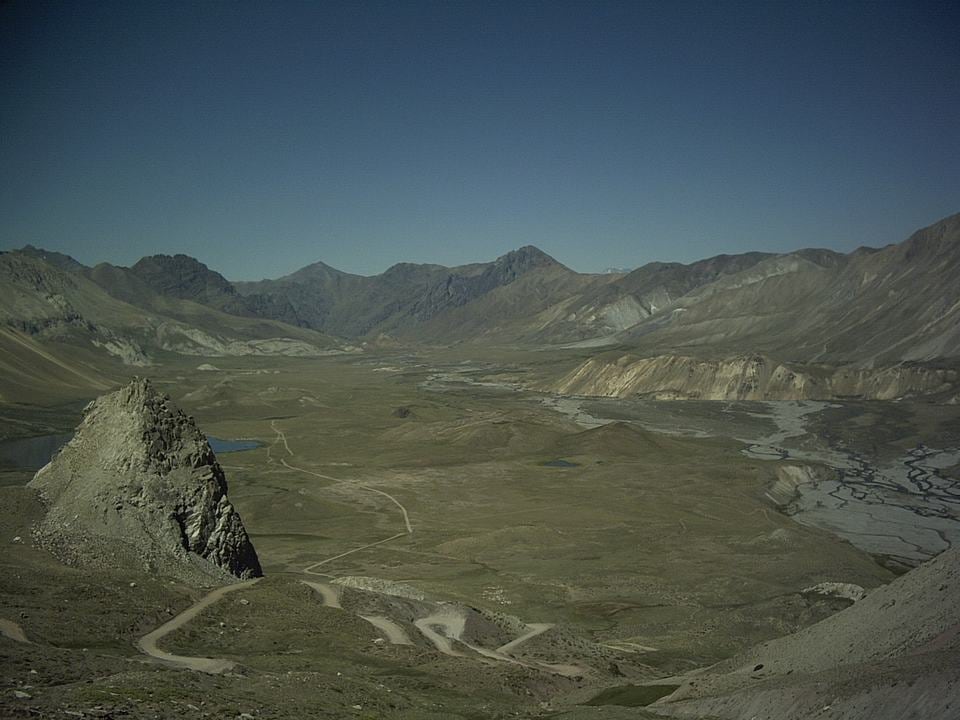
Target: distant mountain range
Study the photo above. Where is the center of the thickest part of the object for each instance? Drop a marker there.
(869, 308)
(69, 331)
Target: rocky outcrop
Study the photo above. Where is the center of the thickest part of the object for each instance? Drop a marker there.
(785, 489)
(841, 590)
(748, 377)
(139, 484)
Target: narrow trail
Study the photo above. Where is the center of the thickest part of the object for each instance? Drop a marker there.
(407, 525)
(628, 646)
(281, 436)
(310, 568)
(9, 629)
(391, 498)
(148, 643)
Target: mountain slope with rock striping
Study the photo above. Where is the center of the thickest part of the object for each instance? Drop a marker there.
(139, 485)
(754, 377)
(870, 307)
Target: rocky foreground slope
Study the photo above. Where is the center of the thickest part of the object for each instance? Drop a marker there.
(139, 485)
(893, 655)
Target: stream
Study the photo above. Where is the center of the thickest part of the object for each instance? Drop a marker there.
(905, 508)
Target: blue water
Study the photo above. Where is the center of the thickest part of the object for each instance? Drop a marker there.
(35, 452)
(220, 445)
(561, 463)
(31, 453)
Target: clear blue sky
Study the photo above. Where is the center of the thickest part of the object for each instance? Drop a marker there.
(262, 136)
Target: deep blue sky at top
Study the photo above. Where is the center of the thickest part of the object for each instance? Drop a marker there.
(262, 136)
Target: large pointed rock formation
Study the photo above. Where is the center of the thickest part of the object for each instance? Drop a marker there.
(139, 484)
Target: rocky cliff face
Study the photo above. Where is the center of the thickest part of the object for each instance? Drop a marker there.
(751, 377)
(139, 484)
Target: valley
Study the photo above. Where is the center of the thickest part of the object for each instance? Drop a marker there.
(459, 498)
(513, 524)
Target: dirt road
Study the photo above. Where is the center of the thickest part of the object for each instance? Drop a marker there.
(148, 643)
(395, 634)
(534, 630)
(330, 594)
(451, 621)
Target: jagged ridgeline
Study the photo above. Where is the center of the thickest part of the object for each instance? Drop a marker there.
(139, 485)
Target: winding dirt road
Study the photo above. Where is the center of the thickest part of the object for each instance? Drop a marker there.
(534, 630)
(442, 628)
(331, 599)
(453, 622)
(330, 595)
(395, 634)
(148, 643)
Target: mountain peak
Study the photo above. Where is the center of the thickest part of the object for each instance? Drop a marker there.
(531, 254)
(58, 260)
(184, 277)
(523, 260)
(934, 241)
(315, 271)
(179, 261)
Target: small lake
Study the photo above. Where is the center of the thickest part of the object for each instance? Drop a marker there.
(35, 452)
(560, 463)
(632, 695)
(220, 445)
(31, 453)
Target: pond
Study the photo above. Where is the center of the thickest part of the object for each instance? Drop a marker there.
(221, 446)
(35, 452)
(31, 453)
(632, 695)
(560, 463)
